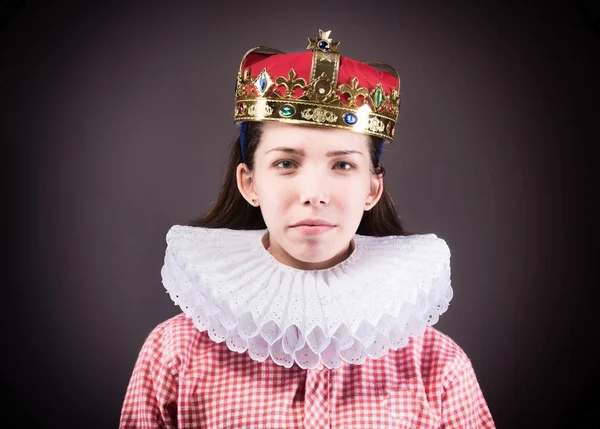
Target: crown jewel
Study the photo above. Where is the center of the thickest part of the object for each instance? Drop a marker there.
(323, 42)
(319, 87)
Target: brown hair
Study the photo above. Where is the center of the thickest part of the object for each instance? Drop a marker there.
(231, 210)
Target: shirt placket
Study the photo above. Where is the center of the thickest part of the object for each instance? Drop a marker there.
(316, 399)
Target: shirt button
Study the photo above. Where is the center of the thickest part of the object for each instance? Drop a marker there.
(320, 366)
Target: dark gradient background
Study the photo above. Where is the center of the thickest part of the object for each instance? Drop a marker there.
(116, 124)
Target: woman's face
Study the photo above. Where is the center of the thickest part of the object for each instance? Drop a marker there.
(312, 185)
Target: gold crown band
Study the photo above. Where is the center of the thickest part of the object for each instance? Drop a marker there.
(296, 112)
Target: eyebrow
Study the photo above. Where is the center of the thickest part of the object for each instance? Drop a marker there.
(293, 151)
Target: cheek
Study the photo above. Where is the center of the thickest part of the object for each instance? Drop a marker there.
(350, 192)
(275, 194)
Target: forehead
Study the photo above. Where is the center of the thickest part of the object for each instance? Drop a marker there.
(310, 139)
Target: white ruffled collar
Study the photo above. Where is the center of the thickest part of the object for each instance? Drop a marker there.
(389, 289)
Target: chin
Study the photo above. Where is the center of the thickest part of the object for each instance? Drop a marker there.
(313, 253)
(312, 258)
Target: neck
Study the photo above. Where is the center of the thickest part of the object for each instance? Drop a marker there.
(285, 258)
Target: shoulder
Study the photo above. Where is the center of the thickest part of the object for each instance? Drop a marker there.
(439, 356)
(436, 344)
(173, 340)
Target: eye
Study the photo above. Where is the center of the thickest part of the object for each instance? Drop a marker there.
(286, 164)
(343, 165)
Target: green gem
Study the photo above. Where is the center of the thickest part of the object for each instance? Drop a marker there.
(287, 110)
(378, 97)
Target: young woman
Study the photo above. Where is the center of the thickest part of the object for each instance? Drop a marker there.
(305, 303)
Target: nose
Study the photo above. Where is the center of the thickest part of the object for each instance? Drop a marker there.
(313, 190)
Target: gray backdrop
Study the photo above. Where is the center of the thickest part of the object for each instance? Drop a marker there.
(116, 123)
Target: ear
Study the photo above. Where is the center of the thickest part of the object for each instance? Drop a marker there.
(375, 191)
(245, 184)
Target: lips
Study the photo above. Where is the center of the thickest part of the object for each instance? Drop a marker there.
(312, 222)
(312, 226)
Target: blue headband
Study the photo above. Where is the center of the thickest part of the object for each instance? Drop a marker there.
(243, 131)
(380, 149)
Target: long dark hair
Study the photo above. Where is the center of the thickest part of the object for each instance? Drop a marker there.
(231, 210)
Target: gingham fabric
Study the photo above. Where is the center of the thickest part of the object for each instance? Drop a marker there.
(183, 379)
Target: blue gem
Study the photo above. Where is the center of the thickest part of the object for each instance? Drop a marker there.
(350, 118)
(324, 45)
(262, 82)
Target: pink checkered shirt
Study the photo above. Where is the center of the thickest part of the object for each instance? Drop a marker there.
(183, 379)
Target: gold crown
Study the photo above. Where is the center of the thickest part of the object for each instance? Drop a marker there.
(320, 88)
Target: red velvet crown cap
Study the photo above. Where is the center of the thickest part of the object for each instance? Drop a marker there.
(280, 64)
